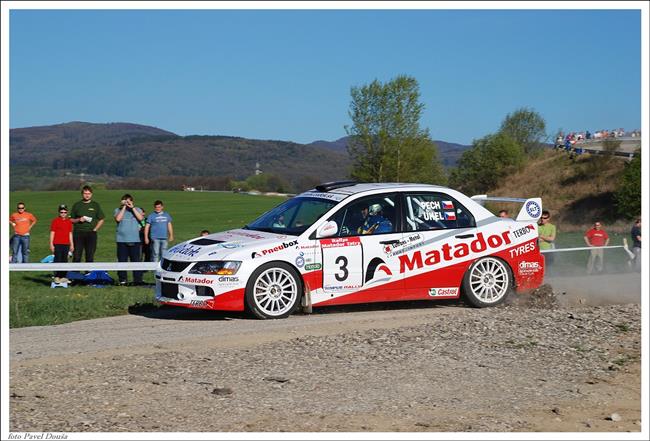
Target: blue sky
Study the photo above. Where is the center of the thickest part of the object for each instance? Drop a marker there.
(287, 75)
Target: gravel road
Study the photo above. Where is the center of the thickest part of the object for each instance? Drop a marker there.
(535, 364)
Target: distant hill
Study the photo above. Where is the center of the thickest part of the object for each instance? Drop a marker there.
(34, 140)
(121, 150)
(449, 152)
(45, 156)
(340, 145)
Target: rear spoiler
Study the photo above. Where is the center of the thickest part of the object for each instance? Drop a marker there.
(530, 212)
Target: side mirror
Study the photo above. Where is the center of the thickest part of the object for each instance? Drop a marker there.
(328, 229)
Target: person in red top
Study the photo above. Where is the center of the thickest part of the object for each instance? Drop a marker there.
(61, 241)
(596, 237)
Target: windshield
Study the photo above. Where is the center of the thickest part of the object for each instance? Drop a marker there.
(292, 217)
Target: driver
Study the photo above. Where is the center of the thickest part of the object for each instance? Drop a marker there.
(279, 222)
(374, 221)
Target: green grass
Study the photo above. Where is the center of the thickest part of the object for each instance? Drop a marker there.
(33, 303)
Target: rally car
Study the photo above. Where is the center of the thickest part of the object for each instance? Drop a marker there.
(346, 242)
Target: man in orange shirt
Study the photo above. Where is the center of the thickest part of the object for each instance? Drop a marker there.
(596, 237)
(22, 221)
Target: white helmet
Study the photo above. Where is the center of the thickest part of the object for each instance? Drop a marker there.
(374, 209)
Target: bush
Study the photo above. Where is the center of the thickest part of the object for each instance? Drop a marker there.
(628, 195)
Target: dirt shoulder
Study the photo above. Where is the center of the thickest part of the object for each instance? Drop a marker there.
(422, 367)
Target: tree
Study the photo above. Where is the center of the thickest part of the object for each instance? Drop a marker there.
(386, 141)
(526, 127)
(628, 195)
(490, 159)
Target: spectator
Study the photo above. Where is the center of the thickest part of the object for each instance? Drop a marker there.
(204, 232)
(547, 233)
(503, 213)
(596, 237)
(159, 229)
(87, 218)
(61, 241)
(128, 218)
(23, 222)
(146, 248)
(636, 244)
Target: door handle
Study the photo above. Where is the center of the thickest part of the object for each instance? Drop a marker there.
(464, 236)
(389, 242)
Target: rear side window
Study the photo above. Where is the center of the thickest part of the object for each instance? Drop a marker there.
(435, 211)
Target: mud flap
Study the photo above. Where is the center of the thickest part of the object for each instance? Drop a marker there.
(305, 302)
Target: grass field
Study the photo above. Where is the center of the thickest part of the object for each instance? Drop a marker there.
(31, 300)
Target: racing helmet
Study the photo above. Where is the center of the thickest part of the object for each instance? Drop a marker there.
(374, 209)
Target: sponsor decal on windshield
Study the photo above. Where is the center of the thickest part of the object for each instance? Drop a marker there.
(330, 196)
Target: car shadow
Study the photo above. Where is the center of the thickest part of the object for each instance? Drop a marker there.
(167, 312)
(387, 306)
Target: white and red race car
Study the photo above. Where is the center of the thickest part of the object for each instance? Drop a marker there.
(345, 242)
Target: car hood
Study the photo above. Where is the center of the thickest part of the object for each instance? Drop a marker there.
(233, 244)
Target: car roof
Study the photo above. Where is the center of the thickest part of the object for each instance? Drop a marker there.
(351, 189)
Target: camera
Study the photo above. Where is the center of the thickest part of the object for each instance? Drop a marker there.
(123, 201)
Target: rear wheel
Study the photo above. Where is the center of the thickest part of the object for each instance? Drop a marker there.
(487, 282)
(273, 291)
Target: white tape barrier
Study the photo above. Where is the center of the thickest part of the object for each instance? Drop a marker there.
(94, 266)
(560, 250)
(151, 266)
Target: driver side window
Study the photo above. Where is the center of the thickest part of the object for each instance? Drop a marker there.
(370, 215)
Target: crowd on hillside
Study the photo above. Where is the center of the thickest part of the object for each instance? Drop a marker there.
(73, 233)
(573, 141)
(574, 137)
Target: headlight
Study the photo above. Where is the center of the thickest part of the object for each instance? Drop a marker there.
(216, 267)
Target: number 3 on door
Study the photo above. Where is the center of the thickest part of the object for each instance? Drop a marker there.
(342, 264)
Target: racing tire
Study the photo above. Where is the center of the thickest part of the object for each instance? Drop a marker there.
(487, 282)
(273, 291)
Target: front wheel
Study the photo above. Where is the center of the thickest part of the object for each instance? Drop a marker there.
(487, 282)
(273, 291)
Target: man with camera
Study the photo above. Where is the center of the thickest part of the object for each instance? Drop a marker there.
(128, 218)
